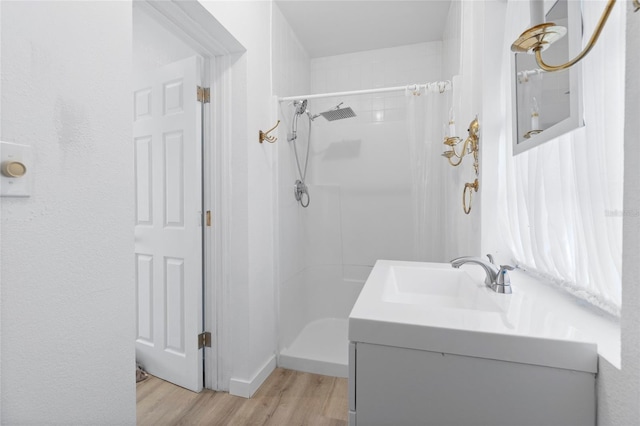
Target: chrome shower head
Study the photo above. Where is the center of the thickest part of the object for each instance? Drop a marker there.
(338, 113)
(300, 106)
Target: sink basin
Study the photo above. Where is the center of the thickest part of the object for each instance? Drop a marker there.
(436, 286)
(437, 308)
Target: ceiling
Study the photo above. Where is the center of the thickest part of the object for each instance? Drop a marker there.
(334, 27)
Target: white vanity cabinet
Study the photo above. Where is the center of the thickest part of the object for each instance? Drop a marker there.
(432, 345)
(400, 386)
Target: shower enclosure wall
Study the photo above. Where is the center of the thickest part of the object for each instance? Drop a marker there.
(362, 190)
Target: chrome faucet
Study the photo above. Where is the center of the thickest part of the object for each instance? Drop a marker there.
(497, 278)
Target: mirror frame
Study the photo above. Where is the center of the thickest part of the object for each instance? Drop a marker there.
(575, 119)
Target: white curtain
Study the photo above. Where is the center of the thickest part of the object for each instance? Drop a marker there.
(424, 124)
(563, 213)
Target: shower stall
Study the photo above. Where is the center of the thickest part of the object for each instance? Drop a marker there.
(370, 187)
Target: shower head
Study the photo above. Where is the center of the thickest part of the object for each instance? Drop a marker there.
(338, 113)
(300, 106)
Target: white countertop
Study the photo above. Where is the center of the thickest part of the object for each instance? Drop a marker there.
(520, 327)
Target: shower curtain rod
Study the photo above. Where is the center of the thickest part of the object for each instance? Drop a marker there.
(523, 76)
(441, 86)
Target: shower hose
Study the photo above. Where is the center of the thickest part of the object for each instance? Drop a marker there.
(301, 191)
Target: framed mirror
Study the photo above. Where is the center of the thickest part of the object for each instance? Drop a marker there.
(548, 104)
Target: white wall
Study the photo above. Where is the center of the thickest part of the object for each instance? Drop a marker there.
(451, 41)
(251, 285)
(464, 59)
(492, 125)
(67, 269)
(463, 62)
(153, 45)
(361, 167)
(291, 76)
(619, 390)
(0, 229)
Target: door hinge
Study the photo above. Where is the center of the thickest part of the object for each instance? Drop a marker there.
(204, 339)
(208, 218)
(203, 94)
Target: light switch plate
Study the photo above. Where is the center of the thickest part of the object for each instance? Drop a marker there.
(16, 186)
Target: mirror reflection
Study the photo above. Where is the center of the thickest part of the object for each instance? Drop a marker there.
(545, 104)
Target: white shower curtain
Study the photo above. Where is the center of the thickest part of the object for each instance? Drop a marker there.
(563, 212)
(424, 124)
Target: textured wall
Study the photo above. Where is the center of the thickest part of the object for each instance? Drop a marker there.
(619, 389)
(67, 251)
(153, 45)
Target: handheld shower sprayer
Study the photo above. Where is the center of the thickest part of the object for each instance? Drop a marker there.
(300, 106)
(301, 191)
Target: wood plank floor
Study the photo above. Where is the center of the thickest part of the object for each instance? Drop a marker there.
(286, 398)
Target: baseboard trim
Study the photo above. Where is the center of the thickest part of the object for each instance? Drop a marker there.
(246, 388)
(326, 368)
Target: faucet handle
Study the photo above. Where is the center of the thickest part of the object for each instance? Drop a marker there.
(502, 284)
(503, 277)
(490, 258)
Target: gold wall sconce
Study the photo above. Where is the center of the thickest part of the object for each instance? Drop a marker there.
(470, 145)
(539, 37)
(264, 136)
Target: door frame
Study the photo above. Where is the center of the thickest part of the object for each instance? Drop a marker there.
(193, 24)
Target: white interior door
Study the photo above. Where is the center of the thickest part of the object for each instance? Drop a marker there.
(167, 136)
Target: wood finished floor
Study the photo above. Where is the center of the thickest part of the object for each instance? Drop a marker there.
(287, 398)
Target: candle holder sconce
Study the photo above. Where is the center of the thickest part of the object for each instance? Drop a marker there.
(535, 120)
(469, 146)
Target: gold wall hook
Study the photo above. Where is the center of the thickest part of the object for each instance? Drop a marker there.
(264, 136)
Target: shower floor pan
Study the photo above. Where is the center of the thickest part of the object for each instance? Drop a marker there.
(322, 347)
